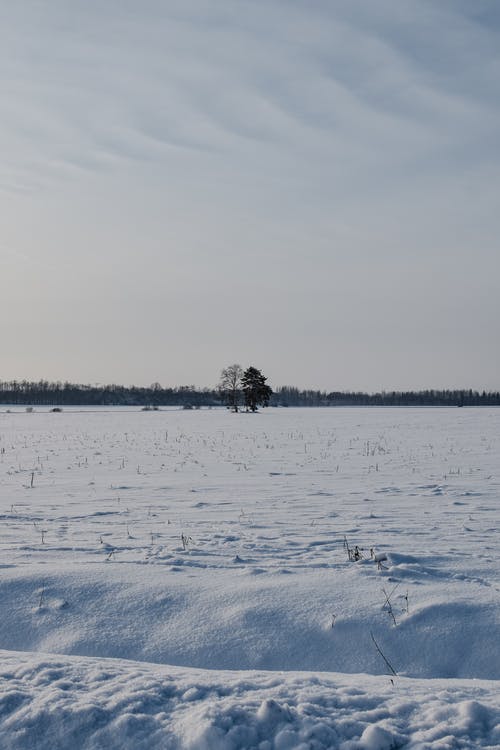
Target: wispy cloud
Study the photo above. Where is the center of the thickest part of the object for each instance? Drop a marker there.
(341, 146)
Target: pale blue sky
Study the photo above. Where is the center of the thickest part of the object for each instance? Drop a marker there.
(308, 186)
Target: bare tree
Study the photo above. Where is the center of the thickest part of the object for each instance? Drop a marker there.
(230, 385)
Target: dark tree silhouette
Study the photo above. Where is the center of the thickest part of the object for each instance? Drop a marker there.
(230, 385)
(255, 390)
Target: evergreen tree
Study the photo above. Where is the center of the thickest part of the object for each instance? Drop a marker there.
(255, 390)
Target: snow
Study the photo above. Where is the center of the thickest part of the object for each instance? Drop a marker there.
(180, 579)
(51, 701)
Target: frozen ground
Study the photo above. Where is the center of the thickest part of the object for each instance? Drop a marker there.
(179, 579)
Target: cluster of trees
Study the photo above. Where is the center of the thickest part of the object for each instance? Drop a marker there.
(249, 386)
(237, 388)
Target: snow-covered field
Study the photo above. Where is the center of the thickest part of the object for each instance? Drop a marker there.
(180, 579)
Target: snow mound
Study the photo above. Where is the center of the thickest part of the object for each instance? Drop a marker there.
(52, 703)
(236, 621)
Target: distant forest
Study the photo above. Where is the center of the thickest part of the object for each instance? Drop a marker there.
(44, 393)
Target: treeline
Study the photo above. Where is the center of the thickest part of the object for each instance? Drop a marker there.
(45, 393)
(291, 396)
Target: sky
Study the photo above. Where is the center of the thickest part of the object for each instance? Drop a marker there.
(310, 187)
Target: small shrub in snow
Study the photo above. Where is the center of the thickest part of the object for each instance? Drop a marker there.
(387, 606)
